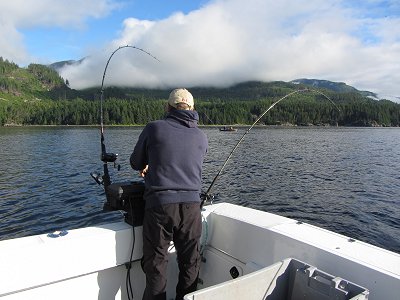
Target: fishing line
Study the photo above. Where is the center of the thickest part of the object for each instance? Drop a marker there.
(207, 196)
(212, 123)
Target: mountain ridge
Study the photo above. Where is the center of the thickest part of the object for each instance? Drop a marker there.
(339, 87)
(37, 95)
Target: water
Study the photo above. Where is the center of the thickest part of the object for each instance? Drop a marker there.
(342, 179)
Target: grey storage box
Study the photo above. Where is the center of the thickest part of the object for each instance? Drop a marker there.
(289, 279)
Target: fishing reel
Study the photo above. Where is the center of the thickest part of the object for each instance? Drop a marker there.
(206, 197)
(108, 157)
(105, 157)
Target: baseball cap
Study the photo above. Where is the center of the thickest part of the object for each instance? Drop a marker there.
(181, 96)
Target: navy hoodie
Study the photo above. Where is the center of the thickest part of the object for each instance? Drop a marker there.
(174, 149)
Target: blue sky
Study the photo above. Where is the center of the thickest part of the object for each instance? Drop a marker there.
(213, 43)
(65, 43)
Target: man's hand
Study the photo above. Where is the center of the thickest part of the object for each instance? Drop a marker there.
(143, 172)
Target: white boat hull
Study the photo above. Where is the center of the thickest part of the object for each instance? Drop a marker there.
(89, 263)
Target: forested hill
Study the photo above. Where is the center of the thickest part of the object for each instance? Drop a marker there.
(37, 95)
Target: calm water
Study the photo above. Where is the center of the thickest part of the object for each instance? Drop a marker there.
(343, 179)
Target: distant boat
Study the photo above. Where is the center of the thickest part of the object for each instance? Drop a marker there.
(227, 128)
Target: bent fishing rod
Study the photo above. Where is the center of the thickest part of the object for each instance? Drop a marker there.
(207, 196)
(107, 157)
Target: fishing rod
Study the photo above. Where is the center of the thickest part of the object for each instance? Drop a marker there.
(207, 196)
(110, 157)
(119, 196)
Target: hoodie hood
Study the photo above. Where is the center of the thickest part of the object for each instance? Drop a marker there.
(189, 118)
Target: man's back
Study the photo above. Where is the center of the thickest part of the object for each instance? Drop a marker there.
(174, 150)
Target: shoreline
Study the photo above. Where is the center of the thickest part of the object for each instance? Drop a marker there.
(208, 126)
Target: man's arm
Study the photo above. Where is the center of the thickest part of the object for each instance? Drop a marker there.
(139, 159)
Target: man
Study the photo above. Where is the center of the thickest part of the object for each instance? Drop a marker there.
(169, 155)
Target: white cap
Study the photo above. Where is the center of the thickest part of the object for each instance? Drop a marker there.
(181, 96)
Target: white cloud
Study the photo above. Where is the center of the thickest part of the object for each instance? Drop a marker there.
(11, 43)
(27, 13)
(17, 15)
(228, 41)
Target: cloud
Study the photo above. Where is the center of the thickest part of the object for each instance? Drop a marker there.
(11, 43)
(228, 41)
(18, 15)
(27, 13)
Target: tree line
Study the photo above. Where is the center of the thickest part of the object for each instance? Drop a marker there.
(297, 111)
(37, 95)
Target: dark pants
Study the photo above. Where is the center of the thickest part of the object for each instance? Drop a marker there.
(178, 222)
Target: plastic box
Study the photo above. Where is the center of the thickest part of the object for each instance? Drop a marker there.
(289, 279)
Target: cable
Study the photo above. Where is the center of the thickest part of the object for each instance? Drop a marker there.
(128, 283)
(203, 243)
